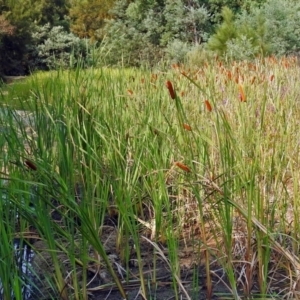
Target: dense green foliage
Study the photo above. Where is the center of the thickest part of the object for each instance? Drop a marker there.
(6, 29)
(271, 28)
(136, 32)
(25, 15)
(88, 17)
(51, 47)
(148, 31)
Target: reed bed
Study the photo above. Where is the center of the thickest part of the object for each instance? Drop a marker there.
(192, 169)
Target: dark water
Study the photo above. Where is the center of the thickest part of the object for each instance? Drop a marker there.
(22, 252)
(23, 255)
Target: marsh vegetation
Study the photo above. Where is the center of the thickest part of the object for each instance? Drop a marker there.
(150, 184)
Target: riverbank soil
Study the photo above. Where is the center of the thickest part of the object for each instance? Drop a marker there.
(159, 280)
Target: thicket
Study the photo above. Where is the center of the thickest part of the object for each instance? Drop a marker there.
(272, 28)
(26, 16)
(53, 47)
(47, 34)
(6, 29)
(148, 32)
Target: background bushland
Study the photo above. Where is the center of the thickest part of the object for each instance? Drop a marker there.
(44, 34)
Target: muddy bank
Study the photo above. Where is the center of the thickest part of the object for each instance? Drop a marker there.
(99, 282)
(11, 79)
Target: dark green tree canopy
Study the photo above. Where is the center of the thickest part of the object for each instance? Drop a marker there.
(149, 30)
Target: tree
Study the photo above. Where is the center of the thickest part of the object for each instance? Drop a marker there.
(13, 49)
(282, 25)
(226, 32)
(236, 6)
(24, 15)
(53, 47)
(144, 30)
(88, 17)
(6, 29)
(54, 12)
(35, 11)
(186, 21)
(270, 28)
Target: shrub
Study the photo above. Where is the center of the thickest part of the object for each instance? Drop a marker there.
(199, 55)
(282, 25)
(241, 48)
(14, 53)
(54, 47)
(6, 29)
(177, 50)
(225, 32)
(144, 31)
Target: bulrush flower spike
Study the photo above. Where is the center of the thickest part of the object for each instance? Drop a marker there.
(208, 106)
(171, 89)
(187, 127)
(30, 165)
(242, 93)
(182, 167)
